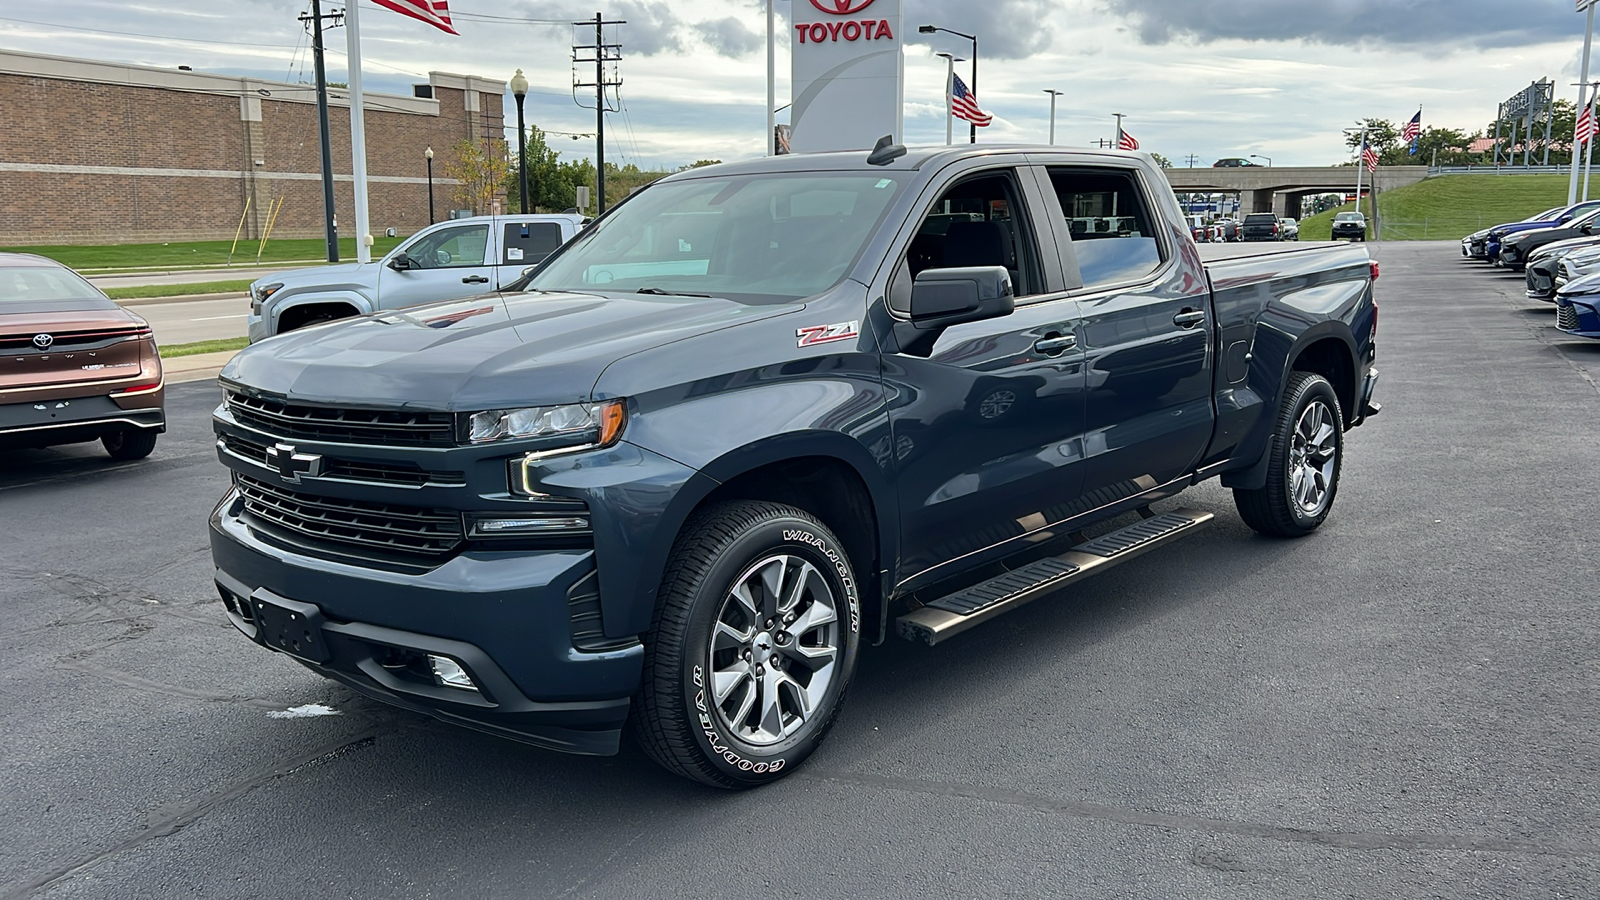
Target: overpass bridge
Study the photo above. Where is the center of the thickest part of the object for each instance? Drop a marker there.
(1281, 189)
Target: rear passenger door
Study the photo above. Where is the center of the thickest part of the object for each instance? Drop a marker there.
(524, 245)
(985, 419)
(1145, 332)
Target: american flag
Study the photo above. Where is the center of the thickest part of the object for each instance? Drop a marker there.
(1125, 141)
(1412, 130)
(1587, 128)
(434, 12)
(1370, 155)
(964, 104)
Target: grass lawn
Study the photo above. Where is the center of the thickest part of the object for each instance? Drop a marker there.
(198, 253)
(176, 350)
(178, 290)
(1450, 207)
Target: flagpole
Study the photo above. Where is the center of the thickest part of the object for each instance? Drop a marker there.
(1361, 163)
(772, 80)
(358, 135)
(1588, 148)
(1584, 100)
(1119, 130)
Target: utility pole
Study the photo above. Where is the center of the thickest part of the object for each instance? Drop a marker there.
(603, 53)
(1584, 101)
(1102, 143)
(1191, 159)
(329, 228)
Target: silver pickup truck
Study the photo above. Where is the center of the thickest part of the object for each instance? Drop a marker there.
(441, 262)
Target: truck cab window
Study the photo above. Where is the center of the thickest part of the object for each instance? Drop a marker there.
(1111, 225)
(528, 243)
(978, 222)
(450, 248)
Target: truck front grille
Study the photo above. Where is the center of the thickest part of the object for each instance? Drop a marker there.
(386, 473)
(1567, 317)
(352, 527)
(304, 422)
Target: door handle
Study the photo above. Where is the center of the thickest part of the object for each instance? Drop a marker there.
(475, 279)
(1054, 346)
(1189, 318)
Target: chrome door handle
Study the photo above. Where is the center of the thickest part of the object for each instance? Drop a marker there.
(475, 279)
(1052, 346)
(1189, 318)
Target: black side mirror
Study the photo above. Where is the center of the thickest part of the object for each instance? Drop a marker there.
(1588, 228)
(944, 297)
(941, 298)
(401, 262)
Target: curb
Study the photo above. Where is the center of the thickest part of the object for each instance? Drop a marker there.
(180, 298)
(199, 367)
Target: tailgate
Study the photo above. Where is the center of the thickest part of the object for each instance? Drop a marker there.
(65, 357)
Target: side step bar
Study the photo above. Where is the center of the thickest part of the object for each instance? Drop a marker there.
(948, 616)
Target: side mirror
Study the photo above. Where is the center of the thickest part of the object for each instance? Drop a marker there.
(1588, 228)
(401, 262)
(941, 298)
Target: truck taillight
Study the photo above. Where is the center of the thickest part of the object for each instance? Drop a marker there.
(1372, 265)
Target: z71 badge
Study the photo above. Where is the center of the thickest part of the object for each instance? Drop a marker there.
(827, 334)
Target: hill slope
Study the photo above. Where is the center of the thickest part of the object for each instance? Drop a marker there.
(1449, 207)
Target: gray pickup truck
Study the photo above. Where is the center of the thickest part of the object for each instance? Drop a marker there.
(458, 258)
(762, 414)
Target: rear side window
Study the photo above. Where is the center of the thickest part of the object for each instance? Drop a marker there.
(1113, 229)
(530, 242)
(1261, 219)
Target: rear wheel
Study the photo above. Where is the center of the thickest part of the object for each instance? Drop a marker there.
(752, 646)
(1307, 453)
(125, 445)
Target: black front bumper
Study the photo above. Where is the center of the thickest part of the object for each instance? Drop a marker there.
(47, 423)
(503, 617)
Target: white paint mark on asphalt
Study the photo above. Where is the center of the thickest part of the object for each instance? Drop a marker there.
(310, 710)
(214, 318)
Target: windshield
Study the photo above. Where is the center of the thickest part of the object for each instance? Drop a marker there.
(756, 238)
(1348, 217)
(43, 283)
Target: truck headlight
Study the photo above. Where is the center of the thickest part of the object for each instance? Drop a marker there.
(571, 425)
(261, 292)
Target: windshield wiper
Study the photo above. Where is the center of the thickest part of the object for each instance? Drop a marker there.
(658, 292)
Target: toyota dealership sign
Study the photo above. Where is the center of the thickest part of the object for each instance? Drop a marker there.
(848, 74)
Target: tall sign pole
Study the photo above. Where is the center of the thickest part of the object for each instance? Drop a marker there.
(772, 80)
(358, 132)
(1584, 99)
(330, 230)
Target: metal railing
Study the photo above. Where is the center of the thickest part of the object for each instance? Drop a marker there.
(1500, 170)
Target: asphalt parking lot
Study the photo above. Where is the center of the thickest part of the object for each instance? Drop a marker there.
(1401, 705)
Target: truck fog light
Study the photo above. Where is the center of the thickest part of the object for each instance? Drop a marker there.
(523, 526)
(448, 673)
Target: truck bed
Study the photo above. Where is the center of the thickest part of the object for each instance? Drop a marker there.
(1210, 253)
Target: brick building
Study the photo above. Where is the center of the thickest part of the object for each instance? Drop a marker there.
(97, 152)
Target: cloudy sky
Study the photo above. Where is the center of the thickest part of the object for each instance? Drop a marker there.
(1213, 78)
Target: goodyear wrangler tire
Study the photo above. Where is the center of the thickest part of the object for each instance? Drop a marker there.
(752, 646)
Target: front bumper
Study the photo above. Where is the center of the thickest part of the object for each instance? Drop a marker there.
(1580, 318)
(504, 616)
(1541, 279)
(47, 423)
(1349, 233)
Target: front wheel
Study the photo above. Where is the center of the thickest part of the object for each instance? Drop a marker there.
(1307, 453)
(752, 645)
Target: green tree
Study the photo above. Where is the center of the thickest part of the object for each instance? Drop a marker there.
(479, 169)
(1161, 161)
(699, 164)
(1381, 134)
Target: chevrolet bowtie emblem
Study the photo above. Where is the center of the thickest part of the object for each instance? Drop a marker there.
(292, 464)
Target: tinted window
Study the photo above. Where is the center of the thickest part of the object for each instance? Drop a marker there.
(1260, 219)
(1113, 233)
(1349, 217)
(976, 223)
(530, 242)
(450, 248)
(39, 283)
(781, 236)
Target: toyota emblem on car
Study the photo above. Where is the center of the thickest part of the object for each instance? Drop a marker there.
(841, 7)
(43, 341)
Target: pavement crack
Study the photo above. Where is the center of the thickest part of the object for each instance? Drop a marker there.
(128, 679)
(176, 817)
(1341, 840)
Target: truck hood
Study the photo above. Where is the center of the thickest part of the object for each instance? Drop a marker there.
(490, 352)
(340, 275)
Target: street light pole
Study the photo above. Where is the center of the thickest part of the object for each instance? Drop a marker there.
(1053, 95)
(930, 29)
(1260, 156)
(429, 154)
(519, 90)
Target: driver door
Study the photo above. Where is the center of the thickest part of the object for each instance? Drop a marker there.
(446, 264)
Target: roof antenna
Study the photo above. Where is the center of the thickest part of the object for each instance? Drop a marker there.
(886, 151)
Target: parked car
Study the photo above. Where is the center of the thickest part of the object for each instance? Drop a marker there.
(1474, 245)
(1260, 227)
(1232, 162)
(1544, 265)
(1493, 244)
(1574, 266)
(1350, 226)
(458, 258)
(1227, 230)
(1578, 307)
(1291, 229)
(74, 366)
(1517, 246)
(686, 483)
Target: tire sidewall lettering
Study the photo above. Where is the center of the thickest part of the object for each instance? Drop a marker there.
(840, 565)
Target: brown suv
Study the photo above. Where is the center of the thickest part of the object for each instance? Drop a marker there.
(74, 366)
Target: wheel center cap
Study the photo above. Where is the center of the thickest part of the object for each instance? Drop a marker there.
(763, 642)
